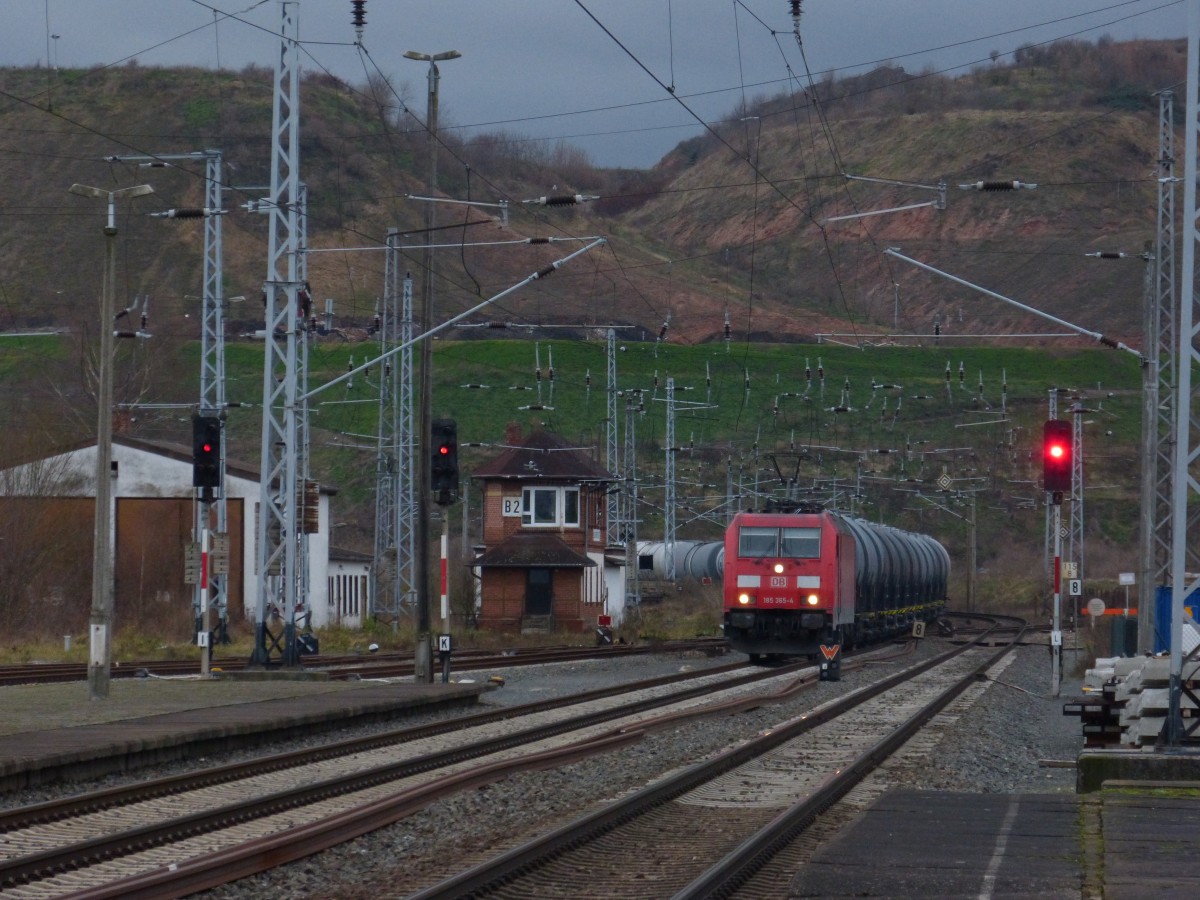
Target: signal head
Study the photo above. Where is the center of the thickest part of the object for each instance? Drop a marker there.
(1057, 451)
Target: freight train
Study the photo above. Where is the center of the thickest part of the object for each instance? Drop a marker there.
(796, 581)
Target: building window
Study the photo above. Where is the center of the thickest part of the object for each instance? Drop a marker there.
(550, 506)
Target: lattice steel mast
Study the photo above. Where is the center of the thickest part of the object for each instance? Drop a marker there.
(212, 357)
(630, 490)
(1159, 385)
(612, 447)
(1185, 486)
(212, 369)
(279, 598)
(394, 578)
(669, 486)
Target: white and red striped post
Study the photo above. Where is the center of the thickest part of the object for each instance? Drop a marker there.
(202, 635)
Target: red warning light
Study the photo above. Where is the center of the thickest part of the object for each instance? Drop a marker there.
(1056, 456)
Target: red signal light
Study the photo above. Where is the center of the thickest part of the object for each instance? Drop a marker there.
(1056, 456)
(443, 470)
(206, 451)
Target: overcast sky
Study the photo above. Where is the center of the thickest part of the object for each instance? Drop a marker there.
(593, 72)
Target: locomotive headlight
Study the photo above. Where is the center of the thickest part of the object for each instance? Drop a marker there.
(778, 568)
(812, 599)
(744, 599)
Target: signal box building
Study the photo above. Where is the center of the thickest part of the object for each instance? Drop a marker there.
(542, 565)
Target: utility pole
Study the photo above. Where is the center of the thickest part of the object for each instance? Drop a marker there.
(423, 658)
(100, 633)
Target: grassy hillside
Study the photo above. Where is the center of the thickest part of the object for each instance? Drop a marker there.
(890, 442)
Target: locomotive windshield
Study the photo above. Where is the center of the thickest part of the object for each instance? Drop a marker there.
(757, 542)
(801, 543)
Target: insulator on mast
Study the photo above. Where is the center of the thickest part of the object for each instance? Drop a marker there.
(189, 212)
(562, 200)
(993, 186)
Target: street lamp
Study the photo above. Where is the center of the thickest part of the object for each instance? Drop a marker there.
(100, 647)
(424, 652)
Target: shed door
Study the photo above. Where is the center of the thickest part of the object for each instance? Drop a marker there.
(539, 592)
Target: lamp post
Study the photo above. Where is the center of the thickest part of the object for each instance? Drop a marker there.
(424, 652)
(99, 644)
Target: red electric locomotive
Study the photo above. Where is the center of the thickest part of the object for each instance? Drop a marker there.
(795, 581)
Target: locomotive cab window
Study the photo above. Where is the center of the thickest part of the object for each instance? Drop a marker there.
(800, 543)
(757, 542)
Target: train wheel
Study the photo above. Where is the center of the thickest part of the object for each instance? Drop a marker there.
(756, 659)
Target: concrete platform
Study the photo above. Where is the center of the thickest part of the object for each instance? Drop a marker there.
(191, 719)
(1095, 767)
(927, 845)
(1151, 842)
(924, 845)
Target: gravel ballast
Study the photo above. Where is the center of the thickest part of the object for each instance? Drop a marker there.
(996, 739)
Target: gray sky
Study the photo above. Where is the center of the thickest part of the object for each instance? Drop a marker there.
(545, 68)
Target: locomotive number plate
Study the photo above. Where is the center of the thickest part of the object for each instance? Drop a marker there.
(776, 601)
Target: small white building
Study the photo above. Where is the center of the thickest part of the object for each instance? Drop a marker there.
(153, 516)
(349, 587)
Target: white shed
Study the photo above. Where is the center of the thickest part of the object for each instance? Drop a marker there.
(153, 516)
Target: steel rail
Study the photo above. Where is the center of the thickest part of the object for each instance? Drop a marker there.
(35, 866)
(494, 873)
(214, 869)
(55, 810)
(260, 854)
(738, 866)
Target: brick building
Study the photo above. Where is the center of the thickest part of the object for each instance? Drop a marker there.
(542, 565)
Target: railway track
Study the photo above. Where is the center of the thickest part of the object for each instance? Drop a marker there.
(182, 834)
(383, 665)
(742, 807)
